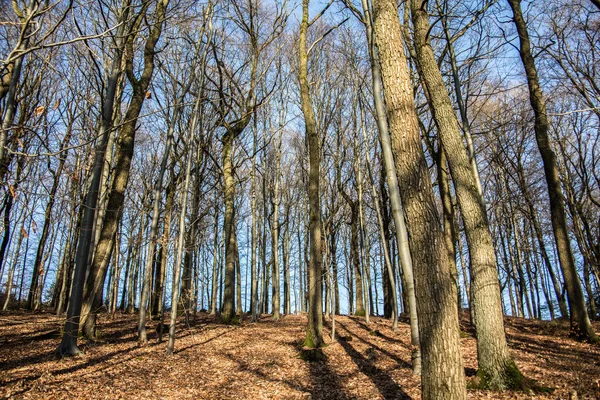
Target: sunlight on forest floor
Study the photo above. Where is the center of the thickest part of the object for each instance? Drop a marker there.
(260, 361)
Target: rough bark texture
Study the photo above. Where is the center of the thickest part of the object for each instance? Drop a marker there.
(496, 367)
(442, 368)
(314, 330)
(228, 311)
(395, 201)
(580, 322)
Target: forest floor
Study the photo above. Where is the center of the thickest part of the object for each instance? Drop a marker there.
(261, 361)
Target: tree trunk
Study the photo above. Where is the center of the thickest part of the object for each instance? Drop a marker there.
(68, 346)
(37, 264)
(215, 284)
(581, 327)
(394, 192)
(181, 235)
(123, 158)
(442, 372)
(276, 298)
(228, 311)
(497, 370)
(254, 238)
(314, 330)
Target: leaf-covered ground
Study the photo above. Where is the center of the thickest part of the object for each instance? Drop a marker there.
(261, 361)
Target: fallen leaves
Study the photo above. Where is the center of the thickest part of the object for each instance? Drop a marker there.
(261, 361)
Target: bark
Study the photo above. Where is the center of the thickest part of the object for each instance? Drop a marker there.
(285, 250)
(163, 252)
(388, 269)
(314, 330)
(68, 346)
(450, 234)
(354, 251)
(213, 301)
(394, 192)
(497, 370)
(13, 267)
(442, 370)
(8, 204)
(254, 238)
(581, 327)
(228, 311)
(238, 277)
(123, 157)
(540, 239)
(150, 258)
(276, 298)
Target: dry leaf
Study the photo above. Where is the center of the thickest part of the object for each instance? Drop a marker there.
(11, 189)
(24, 233)
(57, 104)
(40, 110)
(261, 360)
(148, 95)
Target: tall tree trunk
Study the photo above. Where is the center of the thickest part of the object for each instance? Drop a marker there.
(497, 370)
(175, 289)
(394, 192)
(13, 267)
(228, 311)
(581, 327)
(215, 285)
(123, 157)
(276, 298)
(442, 372)
(150, 258)
(68, 345)
(238, 277)
(314, 330)
(388, 270)
(285, 249)
(254, 238)
(450, 234)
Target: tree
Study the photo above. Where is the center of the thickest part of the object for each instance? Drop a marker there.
(497, 370)
(581, 327)
(314, 329)
(442, 374)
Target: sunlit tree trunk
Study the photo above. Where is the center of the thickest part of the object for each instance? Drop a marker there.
(394, 193)
(497, 370)
(442, 369)
(314, 330)
(123, 158)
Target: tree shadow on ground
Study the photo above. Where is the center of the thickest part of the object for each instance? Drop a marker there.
(325, 383)
(402, 363)
(386, 385)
